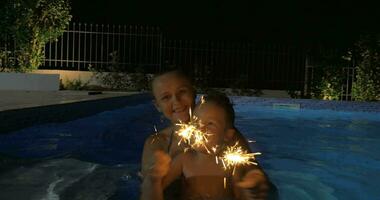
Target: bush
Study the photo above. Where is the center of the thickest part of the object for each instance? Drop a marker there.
(31, 24)
(328, 76)
(76, 84)
(116, 76)
(366, 86)
(6, 60)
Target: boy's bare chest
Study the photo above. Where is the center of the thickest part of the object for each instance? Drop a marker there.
(203, 167)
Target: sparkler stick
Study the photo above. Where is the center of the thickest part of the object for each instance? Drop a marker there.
(216, 157)
(155, 134)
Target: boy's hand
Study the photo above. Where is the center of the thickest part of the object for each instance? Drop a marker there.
(257, 183)
(161, 165)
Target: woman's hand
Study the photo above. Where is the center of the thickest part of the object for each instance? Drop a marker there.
(160, 165)
(152, 188)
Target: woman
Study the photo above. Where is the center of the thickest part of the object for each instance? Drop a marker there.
(174, 95)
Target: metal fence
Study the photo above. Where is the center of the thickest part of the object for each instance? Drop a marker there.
(243, 64)
(221, 63)
(7, 55)
(239, 63)
(92, 45)
(347, 73)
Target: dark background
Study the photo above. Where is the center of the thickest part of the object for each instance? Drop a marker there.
(327, 22)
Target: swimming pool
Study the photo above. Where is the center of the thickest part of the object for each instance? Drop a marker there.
(307, 153)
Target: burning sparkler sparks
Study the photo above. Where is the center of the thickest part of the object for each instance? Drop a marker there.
(235, 155)
(202, 100)
(232, 156)
(191, 134)
(251, 141)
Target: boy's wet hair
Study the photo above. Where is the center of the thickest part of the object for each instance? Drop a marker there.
(220, 99)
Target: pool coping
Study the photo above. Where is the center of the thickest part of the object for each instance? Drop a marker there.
(315, 104)
(12, 99)
(16, 119)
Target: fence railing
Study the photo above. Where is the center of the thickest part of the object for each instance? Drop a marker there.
(243, 64)
(92, 45)
(7, 55)
(239, 63)
(224, 63)
(347, 74)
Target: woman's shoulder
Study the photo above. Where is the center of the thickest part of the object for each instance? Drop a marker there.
(159, 139)
(166, 131)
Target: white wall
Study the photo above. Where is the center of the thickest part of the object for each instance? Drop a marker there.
(69, 75)
(29, 82)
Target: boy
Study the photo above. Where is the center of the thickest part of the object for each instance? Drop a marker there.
(204, 178)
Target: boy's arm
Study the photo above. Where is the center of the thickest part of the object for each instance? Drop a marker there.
(253, 183)
(253, 176)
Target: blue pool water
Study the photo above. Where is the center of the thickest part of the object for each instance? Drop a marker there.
(316, 154)
(308, 154)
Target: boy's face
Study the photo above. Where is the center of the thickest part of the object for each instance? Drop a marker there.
(212, 121)
(174, 96)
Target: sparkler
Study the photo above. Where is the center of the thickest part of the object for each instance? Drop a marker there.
(191, 134)
(235, 155)
(231, 157)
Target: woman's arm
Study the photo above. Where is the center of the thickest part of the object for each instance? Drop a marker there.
(155, 142)
(152, 144)
(175, 171)
(162, 173)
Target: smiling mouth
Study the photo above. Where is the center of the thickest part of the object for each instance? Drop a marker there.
(179, 110)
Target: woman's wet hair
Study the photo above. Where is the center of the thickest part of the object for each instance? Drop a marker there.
(178, 73)
(220, 99)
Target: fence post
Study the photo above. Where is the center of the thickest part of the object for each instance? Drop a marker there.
(79, 58)
(306, 83)
(160, 53)
(85, 47)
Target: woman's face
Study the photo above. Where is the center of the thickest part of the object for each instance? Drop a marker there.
(174, 96)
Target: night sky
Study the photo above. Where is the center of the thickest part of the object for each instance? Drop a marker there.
(276, 21)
